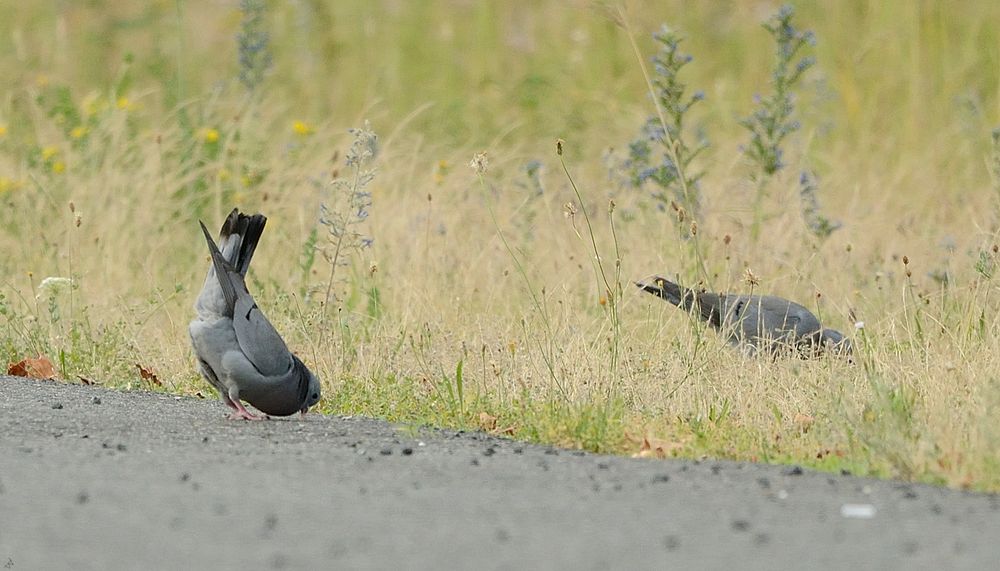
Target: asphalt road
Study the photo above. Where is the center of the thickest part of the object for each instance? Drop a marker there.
(97, 479)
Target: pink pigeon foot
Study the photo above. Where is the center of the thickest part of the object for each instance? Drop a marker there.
(242, 413)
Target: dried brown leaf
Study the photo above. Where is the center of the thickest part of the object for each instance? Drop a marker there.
(487, 422)
(147, 374)
(35, 368)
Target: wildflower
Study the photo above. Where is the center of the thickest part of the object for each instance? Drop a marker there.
(53, 285)
(253, 43)
(78, 132)
(364, 147)
(223, 175)
(750, 278)
(772, 121)
(123, 103)
(440, 171)
(209, 135)
(49, 152)
(479, 163)
(8, 185)
(859, 325)
(301, 128)
(819, 225)
(91, 105)
(346, 206)
(569, 210)
(58, 167)
(3, 130)
(662, 154)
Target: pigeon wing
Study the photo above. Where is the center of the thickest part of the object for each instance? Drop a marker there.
(258, 339)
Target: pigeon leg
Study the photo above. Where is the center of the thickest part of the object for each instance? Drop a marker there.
(242, 413)
(229, 402)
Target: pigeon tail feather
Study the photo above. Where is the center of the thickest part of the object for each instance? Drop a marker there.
(249, 229)
(222, 269)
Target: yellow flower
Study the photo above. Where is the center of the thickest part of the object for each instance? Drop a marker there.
(223, 174)
(123, 103)
(92, 104)
(210, 135)
(58, 167)
(78, 132)
(440, 171)
(302, 128)
(3, 130)
(8, 185)
(48, 152)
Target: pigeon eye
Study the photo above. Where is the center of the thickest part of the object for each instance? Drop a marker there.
(315, 396)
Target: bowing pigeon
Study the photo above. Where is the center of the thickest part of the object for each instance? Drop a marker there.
(239, 352)
(755, 322)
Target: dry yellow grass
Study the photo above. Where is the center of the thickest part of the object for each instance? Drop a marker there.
(896, 120)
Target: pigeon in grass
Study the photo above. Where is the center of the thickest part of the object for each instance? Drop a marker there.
(239, 352)
(755, 322)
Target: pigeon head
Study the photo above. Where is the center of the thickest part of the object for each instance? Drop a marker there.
(312, 397)
(835, 342)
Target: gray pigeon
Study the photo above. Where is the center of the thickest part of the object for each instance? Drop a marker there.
(239, 352)
(755, 322)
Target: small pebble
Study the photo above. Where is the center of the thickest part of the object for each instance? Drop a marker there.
(57, 406)
(857, 511)
(96, 400)
(407, 451)
(386, 452)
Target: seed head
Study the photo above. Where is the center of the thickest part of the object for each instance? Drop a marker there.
(750, 278)
(479, 163)
(559, 146)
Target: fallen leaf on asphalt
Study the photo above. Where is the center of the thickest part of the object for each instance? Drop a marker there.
(148, 375)
(85, 380)
(37, 368)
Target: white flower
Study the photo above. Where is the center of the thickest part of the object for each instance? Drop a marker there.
(53, 285)
(859, 325)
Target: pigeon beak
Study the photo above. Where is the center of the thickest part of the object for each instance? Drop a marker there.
(302, 413)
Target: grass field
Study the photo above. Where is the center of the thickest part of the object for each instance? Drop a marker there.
(500, 297)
